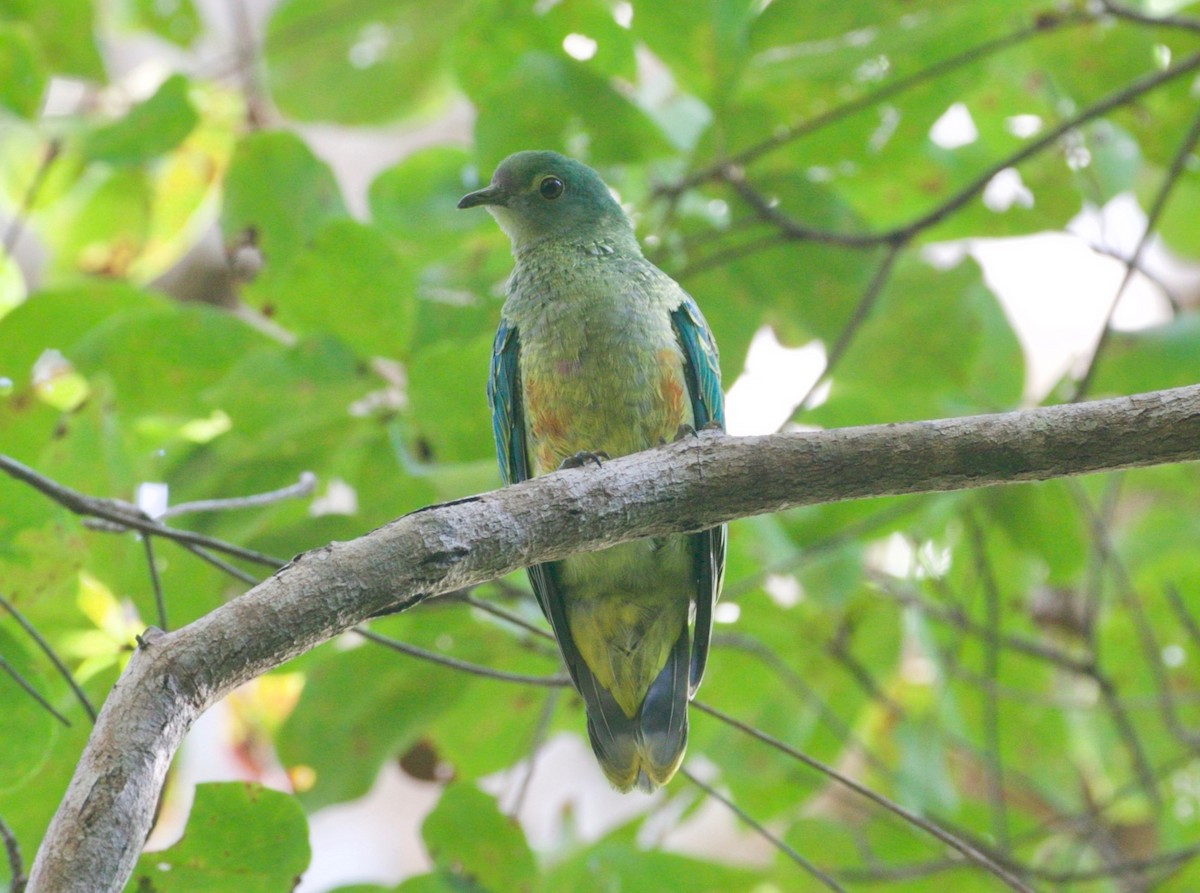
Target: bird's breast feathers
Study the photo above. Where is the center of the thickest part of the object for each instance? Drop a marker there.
(601, 395)
(601, 369)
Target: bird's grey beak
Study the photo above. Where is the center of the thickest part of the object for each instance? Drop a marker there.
(492, 195)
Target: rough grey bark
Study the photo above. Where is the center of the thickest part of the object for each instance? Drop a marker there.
(106, 813)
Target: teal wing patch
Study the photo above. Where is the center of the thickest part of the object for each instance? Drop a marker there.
(504, 397)
(703, 374)
(508, 428)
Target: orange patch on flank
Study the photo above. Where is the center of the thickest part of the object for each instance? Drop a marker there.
(670, 388)
(547, 427)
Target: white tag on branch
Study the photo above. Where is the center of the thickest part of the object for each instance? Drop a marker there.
(152, 498)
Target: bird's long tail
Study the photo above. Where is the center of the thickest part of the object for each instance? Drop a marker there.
(644, 751)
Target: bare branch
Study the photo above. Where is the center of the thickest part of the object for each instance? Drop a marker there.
(94, 839)
(124, 514)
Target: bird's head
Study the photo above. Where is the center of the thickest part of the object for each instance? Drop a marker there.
(539, 195)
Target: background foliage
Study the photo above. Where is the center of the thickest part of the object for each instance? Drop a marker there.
(1029, 678)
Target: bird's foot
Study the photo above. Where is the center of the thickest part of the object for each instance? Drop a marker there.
(582, 458)
(684, 430)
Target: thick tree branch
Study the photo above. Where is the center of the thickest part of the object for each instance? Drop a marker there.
(94, 839)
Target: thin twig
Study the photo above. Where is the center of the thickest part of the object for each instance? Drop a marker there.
(16, 868)
(1186, 620)
(54, 659)
(773, 839)
(991, 711)
(303, 487)
(535, 748)
(126, 514)
(1147, 639)
(1150, 276)
(1046, 23)
(160, 603)
(1170, 180)
(506, 616)
(464, 666)
(861, 312)
(224, 566)
(960, 846)
(1029, 647)
(792, 229)
(31, 691)
(17, 225)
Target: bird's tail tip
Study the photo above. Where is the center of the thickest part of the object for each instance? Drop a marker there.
(630, 762)
(647, 750)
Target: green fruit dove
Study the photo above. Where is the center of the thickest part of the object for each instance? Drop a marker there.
(601, 354)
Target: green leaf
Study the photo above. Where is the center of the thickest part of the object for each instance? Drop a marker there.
(193, 346)
(277, 189)
(173, 20)
(1042, 519)
(22, 72)
(450, 418)
(616, 862)
(363, 64)
(151, 128)
(1177, 224)
(376, 721)
(803, 290)
(65, 30)
(1164, 356)
(239, 836)
(12, 286)
(32, 729)
(416, 199)
(704, 45)
(500, 31)
(103, 225)
(349, 282)
(58, 318)
(936, 344)
(472, 842)
(576, 111)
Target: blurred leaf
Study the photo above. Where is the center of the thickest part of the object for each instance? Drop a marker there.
(449, 406)
(349, 282)
(101, 227)
(471, 842)
(239, 836)
(23, 754)
(703, 44)
(363, 64)
(173, 20)
(616, 863)
(22, 72)
(418, 197)
(12, 288)
(575, 109)
(65, 30)
(280, 191)
(1164, 356)
(1177, 224)
(500, 31)
(376, 721)
(150, 129)
(1042, 519)
(936, 344)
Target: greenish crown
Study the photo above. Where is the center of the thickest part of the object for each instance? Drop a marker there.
(538, 195)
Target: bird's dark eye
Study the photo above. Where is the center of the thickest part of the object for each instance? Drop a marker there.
(550, 187)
